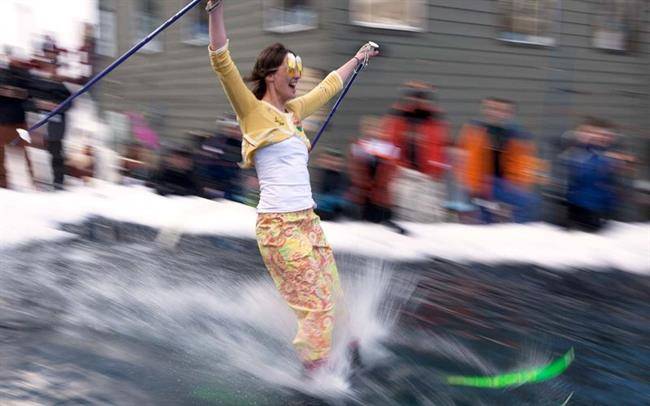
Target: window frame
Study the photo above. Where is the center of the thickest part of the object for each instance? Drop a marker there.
(190, 36)
(631, 27)
(508, 35)
(107, 42)
(355, 8)
(156, 45)
(267, 5)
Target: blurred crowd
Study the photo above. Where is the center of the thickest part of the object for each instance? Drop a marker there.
(402, 166)
(38, 85)
(406, 166)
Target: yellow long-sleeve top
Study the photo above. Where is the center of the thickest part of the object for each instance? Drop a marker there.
(261, 123)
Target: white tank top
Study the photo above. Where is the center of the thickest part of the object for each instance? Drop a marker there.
(283, 177)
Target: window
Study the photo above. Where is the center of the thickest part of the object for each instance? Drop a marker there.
(196, 29)
(289, 15)
(107, 35)
(527, 21)
(616, 24)
(409, 15)
(146, 19)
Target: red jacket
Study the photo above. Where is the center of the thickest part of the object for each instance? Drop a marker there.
(431, 145)
(366, 188)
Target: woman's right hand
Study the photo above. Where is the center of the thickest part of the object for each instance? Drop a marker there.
(217, 30)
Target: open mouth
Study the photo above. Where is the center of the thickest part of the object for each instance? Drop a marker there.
(293, 85)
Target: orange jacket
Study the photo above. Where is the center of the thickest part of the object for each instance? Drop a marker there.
(518, 160)
(433, 132)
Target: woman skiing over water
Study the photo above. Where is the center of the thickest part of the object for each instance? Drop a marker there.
(288, 232)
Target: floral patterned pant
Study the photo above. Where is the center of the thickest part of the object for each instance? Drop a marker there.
(302, 266)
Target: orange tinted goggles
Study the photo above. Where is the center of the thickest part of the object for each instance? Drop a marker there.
(294, 65)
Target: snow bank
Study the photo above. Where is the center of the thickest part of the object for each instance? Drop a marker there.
(35, 216)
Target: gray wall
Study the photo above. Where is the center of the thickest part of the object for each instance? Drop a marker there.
(458, 52)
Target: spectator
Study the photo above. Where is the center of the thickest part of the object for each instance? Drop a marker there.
(457, 203)
(82, 165)
(206, 157)
(250, 188)
(231, 172)
(217, 159)
(138, 163)
(374, 161)
(331, 201)
(500, 164)
(87, 53)
(143, 132)
(15, 82)
(50, 46)
(49, 91)
(418, 129)
(591, 176)
(176, 175)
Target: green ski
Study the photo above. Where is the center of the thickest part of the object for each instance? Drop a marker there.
(534, 375)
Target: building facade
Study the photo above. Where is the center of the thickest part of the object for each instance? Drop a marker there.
(557, 59)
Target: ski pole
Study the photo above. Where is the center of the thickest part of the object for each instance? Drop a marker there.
(360, 66)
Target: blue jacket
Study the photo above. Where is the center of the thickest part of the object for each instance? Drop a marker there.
(591, 179)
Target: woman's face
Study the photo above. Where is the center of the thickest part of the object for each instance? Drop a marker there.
(285, 81)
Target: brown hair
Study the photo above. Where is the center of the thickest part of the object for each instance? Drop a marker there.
(500, 101)
(268, 61)
(597, 122)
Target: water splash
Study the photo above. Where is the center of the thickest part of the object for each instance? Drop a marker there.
(236, 325)
(207, 319)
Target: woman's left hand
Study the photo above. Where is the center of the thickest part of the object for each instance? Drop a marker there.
(366, 49)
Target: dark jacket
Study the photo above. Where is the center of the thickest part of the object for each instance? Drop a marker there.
(171, 181)
(12, 110)
(54, 91)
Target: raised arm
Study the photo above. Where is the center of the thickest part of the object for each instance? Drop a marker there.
(306, 105)
(218, 36)
(241, 98)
